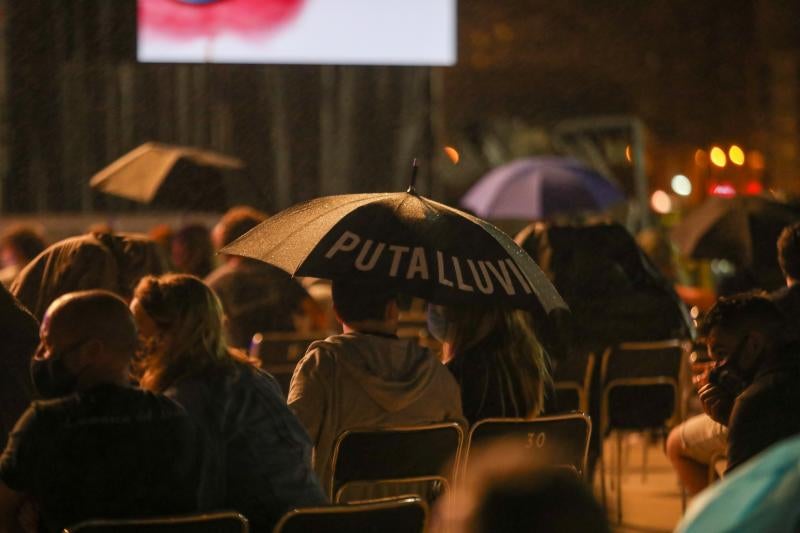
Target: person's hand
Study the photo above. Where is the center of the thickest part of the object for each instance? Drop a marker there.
(717, 403)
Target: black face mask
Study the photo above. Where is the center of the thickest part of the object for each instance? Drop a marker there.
(50, 376)
(728, 375)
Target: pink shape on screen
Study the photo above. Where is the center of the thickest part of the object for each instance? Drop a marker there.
(177, 19)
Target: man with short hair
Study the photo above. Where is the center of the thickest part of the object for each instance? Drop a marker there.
(255, 296)
(96, 448)
(367, 376)
(754, 389)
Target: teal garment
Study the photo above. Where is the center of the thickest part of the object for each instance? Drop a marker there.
(761, 495)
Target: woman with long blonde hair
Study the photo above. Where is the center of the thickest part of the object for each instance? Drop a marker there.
(494, 355)
(259, 460)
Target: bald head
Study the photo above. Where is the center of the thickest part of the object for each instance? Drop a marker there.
(94, 314)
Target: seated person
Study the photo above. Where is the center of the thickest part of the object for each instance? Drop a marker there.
(507, 489)
(754, 388)
(260, 463)
(113, 262)
(691, 447)
(255, 296)
(98, 448)
(493, 354)
(367, 377)
(19, 244)
(787, 299)
(20, 334)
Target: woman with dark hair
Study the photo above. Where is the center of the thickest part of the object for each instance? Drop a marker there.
(501, 368)
(260, 460)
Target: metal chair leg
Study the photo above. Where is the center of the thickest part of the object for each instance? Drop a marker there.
(645, 445)
(602, 459)
(619, 477)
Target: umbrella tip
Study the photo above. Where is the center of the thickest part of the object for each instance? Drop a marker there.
(414, 167)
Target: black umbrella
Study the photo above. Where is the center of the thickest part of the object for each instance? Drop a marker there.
(743, 230)
(177, 177)
(426, 248)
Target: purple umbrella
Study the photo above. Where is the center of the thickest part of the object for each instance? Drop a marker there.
(538, 188)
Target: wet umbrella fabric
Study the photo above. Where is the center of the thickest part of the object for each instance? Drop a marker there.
(739, 229)
(743, 230)
(168, 176)
(760, 495)
(539, 188)
(428, 249)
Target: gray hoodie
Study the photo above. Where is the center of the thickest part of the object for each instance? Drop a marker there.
(358, 380)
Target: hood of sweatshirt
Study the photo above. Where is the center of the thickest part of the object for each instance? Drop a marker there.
(393, 372)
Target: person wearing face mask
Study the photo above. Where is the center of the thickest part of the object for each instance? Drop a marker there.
(500, 366)
(754, 387)
(95, 447)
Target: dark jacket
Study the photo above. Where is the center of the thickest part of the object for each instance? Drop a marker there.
(260, 460)
(767, 411)
(20, 334)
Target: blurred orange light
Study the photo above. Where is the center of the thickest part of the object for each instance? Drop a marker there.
(736, 155)
(452, 153)
(753, 188)
(725, 190)
(700, 158)
(661, 202)
(756, 160)
(628, 154)
(718, 157)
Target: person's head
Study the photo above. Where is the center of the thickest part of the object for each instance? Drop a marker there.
(19, 244)
(740, 330)
(789, 253)
(180, 321)
(365, 305)
(192, 251)
(136, 255)
(86, 338)
(505, 489)
(234, 223)
(512, 345)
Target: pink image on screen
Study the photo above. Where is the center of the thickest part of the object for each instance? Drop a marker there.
(189, 19)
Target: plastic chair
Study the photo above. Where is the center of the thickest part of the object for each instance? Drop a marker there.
(640, 392)
(390, 515)
(279, 352)
(560, 440)
(222, 522)
(393, 455)
(572, 379)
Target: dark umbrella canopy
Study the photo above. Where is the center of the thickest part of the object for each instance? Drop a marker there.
(538, 188)
(739, 229)
(426, 248)
(167, 176)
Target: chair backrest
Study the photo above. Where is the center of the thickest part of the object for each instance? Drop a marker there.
(222, 522)
(641, 384)
(390, 515)
(279, 352)
(572, 378)
(559, 441)
(394, 454)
